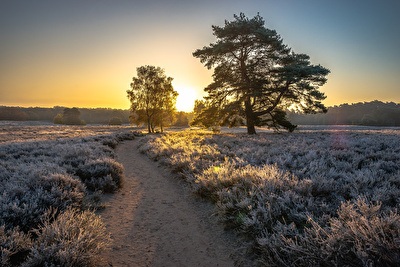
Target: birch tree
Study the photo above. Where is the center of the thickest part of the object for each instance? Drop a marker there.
(152, 97)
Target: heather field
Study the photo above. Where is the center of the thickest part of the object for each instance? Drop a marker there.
(12, 131)
(322, 196)
(52, 178)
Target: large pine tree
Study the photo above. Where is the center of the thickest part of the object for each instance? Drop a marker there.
(256, 76)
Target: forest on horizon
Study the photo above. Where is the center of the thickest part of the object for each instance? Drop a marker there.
(373, 113)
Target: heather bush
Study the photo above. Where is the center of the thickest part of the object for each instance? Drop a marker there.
(364, 230)
(184, 152)
(256, 198)
(360, 235)
(73, 239)
(14, 246)
(102, 174)
(312, 198)
(24, 201)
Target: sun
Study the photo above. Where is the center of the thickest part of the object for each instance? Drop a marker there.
(187, 96)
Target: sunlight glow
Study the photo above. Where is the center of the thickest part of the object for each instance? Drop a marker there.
(91, 50)
(186, 98)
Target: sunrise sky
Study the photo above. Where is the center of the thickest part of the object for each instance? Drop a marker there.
(84, 53)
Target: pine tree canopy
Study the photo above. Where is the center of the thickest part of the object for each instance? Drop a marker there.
(256, 76)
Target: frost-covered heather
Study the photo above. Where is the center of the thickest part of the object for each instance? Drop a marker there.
(11, 131)
(73, 239)
(45, 212)
(312, 198)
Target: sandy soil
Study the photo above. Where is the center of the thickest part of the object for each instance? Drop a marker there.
(155, 221)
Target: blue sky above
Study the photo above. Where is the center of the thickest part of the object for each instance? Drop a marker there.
(85, 53)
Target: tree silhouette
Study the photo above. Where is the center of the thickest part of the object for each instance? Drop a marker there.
(71, 116)
(257, 77)
(152, 98)
(205, 114)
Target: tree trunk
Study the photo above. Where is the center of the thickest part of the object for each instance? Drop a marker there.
(249, 117)
(251, 129)
(148, 125)
(161, 123)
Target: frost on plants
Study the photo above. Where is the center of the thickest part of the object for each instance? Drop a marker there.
(311, 198)
(361, 235)
(14, 246)
(103, 174)
(55, 176)
(23, 203)
(73, 239)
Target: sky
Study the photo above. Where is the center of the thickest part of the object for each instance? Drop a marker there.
(82, 53)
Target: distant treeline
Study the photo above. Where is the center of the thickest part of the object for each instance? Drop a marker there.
(88, 115)
(85, 115)
(375, 113)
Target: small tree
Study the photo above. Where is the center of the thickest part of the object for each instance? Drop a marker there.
(70, 116)
(257, 77)
(115, 121)
(152, 98)
(58, 119)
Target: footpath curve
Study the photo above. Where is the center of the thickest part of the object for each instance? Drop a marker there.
(154, 220)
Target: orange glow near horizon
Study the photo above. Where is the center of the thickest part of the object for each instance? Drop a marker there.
(87, 94)
(55, 53)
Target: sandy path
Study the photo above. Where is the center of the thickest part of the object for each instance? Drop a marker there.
(155, 221)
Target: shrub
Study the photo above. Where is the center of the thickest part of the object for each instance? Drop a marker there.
(364, 230)
(58, 119)
(73, 239)
(101, 174)
(24, 202)
(115, 121)
(361, 235)
(14, 247)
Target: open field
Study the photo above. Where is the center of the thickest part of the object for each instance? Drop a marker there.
(51, 181)
(318, 197)
(322, 196)
(12, 131)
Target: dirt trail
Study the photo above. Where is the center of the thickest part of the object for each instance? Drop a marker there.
(155, 221)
